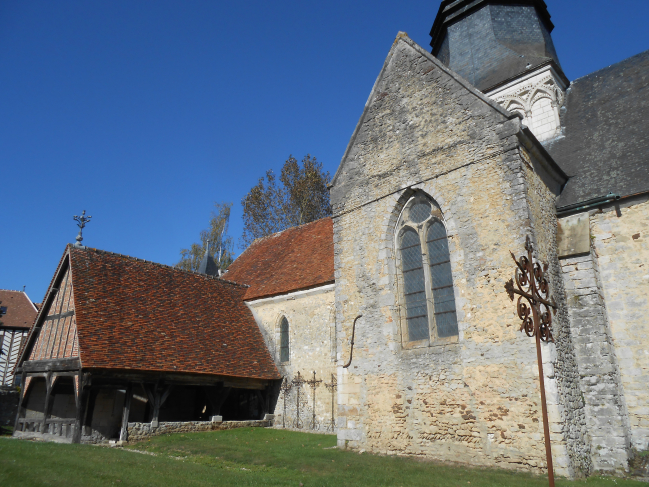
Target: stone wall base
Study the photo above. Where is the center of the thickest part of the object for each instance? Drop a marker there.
(141, 431)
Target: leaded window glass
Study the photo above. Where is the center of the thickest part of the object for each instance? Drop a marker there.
(414, 284)
(428, 299)
(441, 280)
(284, 353)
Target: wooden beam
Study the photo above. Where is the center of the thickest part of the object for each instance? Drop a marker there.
(60, 315)
(48, 401)
(159, 399)
(90, 408)
(82, 402)
(123, 435)
(54, 365)
(21, 398)
(262, 402)
(179, 379)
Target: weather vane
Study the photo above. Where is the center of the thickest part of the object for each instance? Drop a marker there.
(81, 223)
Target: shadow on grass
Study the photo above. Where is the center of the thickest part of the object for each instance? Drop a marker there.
(6, 430)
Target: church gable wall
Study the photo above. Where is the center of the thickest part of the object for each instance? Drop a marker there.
(475, 400)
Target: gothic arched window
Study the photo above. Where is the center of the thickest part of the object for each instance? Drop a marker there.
(284, 351)
(426, 282)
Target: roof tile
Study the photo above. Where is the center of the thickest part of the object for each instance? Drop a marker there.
(297, 258)
(139, 315)
(20, 312)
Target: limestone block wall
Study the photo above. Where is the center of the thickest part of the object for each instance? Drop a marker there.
(476, 400)
(599, 373)
(620, 238)
(567, 413)
(311, 319)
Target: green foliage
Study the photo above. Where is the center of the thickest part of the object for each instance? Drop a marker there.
(300, 197)
(245, 457)
(221, 246)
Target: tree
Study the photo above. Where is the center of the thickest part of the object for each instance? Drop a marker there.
(220, 242)
(301, 197)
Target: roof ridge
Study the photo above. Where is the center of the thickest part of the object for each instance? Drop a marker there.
(604, 68)
(174, 268)
(291, 228)
(13, 291)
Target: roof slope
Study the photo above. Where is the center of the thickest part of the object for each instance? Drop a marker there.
(297, 258)
(605, 141)
(138, 315)
(20, 313)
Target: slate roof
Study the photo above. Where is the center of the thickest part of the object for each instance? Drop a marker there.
(21, 312)
(605, 142)
(297, 258)
(137, 315)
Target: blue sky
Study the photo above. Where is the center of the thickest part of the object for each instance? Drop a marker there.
(144, 113)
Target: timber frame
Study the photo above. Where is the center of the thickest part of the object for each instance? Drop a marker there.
(88, 383)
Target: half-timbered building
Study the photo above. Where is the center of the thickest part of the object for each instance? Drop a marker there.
(17, 313)
(120, 340)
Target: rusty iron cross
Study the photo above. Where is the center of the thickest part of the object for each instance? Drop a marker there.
(534, 298)
(286, 388)
(313, 383)
(298, 382)
(534, 295)
(332, 386)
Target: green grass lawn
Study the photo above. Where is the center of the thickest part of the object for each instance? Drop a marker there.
(242, 457)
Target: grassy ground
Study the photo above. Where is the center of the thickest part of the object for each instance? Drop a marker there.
(251, 456)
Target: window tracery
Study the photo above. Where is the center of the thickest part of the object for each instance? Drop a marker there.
(427, 297)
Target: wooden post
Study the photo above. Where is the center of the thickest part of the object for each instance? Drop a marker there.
(82, 402)
(157, 399)
(123, 435)
(48, 402)
(90, 409)
(20, 399)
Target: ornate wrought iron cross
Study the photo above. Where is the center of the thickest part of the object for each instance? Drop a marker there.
(313, 383)
(286, 388)
(81, 223)
(534, 298)
(332, 386)
(298, 382)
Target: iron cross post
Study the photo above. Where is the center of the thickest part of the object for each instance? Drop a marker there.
(313, 383)
(534, 298)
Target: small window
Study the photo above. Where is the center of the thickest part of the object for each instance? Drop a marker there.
(427, 295)
(284, 351)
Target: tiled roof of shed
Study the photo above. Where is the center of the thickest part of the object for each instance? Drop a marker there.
(21, 312)
(297, 258)
(137, 315)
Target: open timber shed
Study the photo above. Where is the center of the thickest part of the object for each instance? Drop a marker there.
(120, 340)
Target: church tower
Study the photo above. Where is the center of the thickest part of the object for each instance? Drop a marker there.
(504, 48)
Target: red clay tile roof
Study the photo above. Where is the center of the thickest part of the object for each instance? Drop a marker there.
(297, 258)
(21, 312)
(138, 315)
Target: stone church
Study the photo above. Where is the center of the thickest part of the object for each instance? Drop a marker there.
(397, 302)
